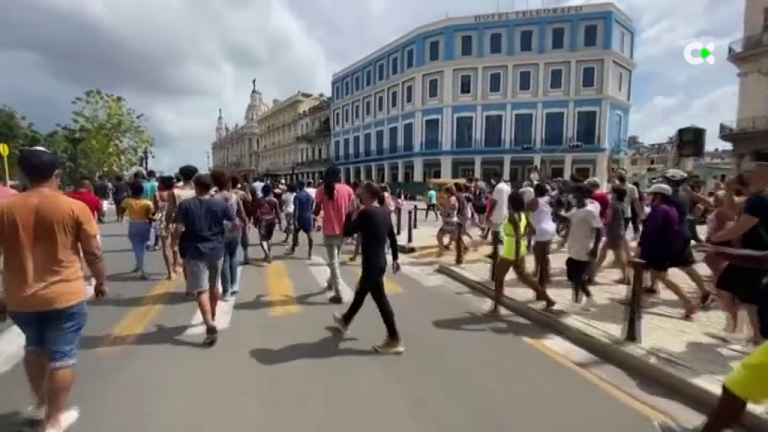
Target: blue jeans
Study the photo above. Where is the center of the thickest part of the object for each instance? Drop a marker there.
(55, 332)
(138, 234)
(230, 264)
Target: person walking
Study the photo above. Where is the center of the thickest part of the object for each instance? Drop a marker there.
(303, 204)
(231, 262)
(140, 220)
(42, 233)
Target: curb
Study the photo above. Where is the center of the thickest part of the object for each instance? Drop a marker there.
(409, 248)
(625, 355)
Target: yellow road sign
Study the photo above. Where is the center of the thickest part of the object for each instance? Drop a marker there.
(5, 150)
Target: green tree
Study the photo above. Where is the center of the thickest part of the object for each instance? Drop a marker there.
(105, 134)
(18, 133)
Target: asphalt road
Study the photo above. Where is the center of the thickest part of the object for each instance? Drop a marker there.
(277, 367)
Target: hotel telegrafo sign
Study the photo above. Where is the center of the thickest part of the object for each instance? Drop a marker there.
(545, 12)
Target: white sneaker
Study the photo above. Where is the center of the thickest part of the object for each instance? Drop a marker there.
(589, 306)
(67, 419)
(33, 413)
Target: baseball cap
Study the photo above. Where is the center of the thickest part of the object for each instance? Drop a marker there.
(660, 188)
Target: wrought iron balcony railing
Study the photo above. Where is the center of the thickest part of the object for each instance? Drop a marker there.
(747, 44)
(744, 125)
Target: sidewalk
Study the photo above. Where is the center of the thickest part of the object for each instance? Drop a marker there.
(687, 350)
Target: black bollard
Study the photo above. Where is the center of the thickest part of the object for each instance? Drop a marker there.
(410, 227)
(495, 240)
(460, 244)
(399, 217)
(415, 214)
(634, 304)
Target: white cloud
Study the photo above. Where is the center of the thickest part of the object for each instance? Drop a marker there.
(181, 61)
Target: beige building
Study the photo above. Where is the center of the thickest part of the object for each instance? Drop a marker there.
(279, 150)
(314, 141)
(748, 133)
(236, 146)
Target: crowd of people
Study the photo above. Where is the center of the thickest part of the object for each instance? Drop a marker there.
(201, 223)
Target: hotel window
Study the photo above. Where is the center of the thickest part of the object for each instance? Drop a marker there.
(495, 43)
(433, 88)
(408, 137)
(368, 78)
(410, 58)
(393, 130)
(393, 99)
(494, 82)
(556, 79)
(357, 112)
(434, 50)
(464, 131)
(524, 81)
(492, 135)
(466, 45)
(356, 146)
(380, 104)
(465, 85)
(622, 42)
(367, 108)
(346, 116)
(337, 93)
(586, 127)
(432, 134)
(526, 41)
(554, 129)
(346, 148)
(357, 83)
(558, 38)
(394, 66)
(590, 35)
(380, 142)
(346, 88)
(523, 129)
(336, 119)
(380, 72)
(336, 150)
(408, 94)
(588, 77)
(621, 81)
(367, 144)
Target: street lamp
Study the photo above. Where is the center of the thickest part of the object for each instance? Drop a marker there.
(75, 138)
(145, 155)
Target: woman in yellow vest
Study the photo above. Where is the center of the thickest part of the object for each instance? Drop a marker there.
(515, 245)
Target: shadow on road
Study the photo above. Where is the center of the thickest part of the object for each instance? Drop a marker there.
(262, 301)
(13, 422)
(161, 335)
(324, 348)
(472, 322)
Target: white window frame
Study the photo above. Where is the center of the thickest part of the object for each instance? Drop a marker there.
(437, 78)
(413, 96)
(472, 40)
(616, 116)
(581, 79)
(474, 127)
(501, 82)
(503, 115)
(471, 84)
(552, 38)
(352, 146)
(501, 32)
(373, 80)
(348, 84)
(401, 132)
(544, 113)
(520, 72)
(376, 71)
(562, 79)
(439, 128)
(338, 90)
(534, 134)
(576, 112)
(337, 117)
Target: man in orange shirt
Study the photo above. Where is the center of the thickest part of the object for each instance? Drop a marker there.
(41, 235)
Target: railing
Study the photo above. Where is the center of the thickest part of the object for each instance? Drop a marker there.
(748, 43)
(744, 125)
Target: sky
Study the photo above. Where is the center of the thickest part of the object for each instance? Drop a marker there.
(180, 61)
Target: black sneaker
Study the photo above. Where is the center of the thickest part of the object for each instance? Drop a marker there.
(336, 299)
(211, 336)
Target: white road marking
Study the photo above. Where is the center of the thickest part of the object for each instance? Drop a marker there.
(11, 348)
(320, 271)
(224, 312)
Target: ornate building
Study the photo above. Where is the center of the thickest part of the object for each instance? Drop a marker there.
(236, 147)
(314, 141)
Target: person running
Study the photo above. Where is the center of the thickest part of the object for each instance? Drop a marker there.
(431, 204)
(449, 210)
(164, 229)
(373, 224)
(231, 263)
(102, 191)
(201, 224)
(544, 227)
(42, 234)
(584, 236)
(498, 211)
(514, 245)
(303, 204)
(140, 220)
(335, 200)
(615, 234)
(267, 219)
(288, 209)
(119, 193)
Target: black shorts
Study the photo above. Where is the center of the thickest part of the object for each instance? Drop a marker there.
(431, 207)
(746, 284)
(480, 209)
(684, 259)
(577, 271)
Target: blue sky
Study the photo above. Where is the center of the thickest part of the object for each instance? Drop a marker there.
(179, 62)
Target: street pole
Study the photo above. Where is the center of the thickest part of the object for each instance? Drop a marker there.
(146, 159)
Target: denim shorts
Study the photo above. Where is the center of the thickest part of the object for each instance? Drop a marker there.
(56, 332)
(202, 275)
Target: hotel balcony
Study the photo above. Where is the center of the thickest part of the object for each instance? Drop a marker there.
(744, 128)
(748, 48)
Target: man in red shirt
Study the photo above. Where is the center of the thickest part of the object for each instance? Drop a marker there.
(599, 196)
(85, 195)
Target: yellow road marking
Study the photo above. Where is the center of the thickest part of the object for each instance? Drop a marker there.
(625, 398)
(390, 286)
(281, 292)
(128, 329)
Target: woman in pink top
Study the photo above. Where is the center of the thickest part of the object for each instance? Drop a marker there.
(335, 200)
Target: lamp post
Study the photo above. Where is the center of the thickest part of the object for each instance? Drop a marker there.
(145, 155)
(75, 138)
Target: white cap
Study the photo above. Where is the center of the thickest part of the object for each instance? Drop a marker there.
(660, 188)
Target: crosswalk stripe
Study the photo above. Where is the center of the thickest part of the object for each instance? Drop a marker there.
(224, 312)
(390, 286)
(320, 271)
(281, 292)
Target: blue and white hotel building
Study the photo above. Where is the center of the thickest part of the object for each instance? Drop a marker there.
(502, 92)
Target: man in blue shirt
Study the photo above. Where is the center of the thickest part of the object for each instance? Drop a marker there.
(303, 206)
(201, 223)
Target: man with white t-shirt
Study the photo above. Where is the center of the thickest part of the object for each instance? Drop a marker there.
(584, 236)
(499, 209)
